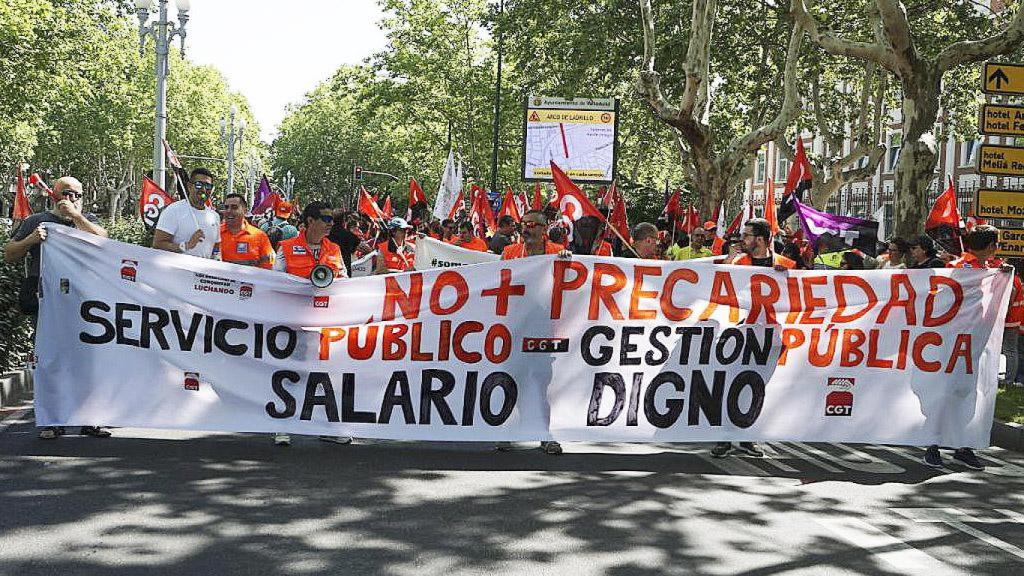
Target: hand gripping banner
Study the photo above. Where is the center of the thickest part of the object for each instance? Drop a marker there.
(586, 349)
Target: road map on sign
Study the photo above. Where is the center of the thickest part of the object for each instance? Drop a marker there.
(580, 141)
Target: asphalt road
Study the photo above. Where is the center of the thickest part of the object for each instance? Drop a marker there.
(160, 502)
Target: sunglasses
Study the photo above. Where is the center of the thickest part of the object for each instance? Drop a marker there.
(531, 224)
(71, 194)
(327, 219)
(207, 186)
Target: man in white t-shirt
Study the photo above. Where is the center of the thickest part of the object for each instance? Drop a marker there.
(188, 226)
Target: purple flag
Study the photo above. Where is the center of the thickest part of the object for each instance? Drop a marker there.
(259, 203)
(849, 230)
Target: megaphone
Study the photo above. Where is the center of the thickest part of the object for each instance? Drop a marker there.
(321, 276)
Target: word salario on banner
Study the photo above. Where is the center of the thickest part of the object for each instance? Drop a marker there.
(546, 348)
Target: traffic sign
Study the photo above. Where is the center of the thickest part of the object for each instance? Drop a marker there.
(1010, 243)
(1002, 204)
(1001, 160)
(1002, 120)
(1002, 78)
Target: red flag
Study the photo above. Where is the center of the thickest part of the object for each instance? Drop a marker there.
(509, 207)
(746, 213)
(387, 210)
(769, 206)
(416, 195)
(618, 219)
(521, 202)
(571, 200)
(673, 211)
(368, 206)
(35, 180)
(458, 206)
(152, 200)
(22, 209)
(944, 212)
(480, 212)
(798, 182)
(538, 202)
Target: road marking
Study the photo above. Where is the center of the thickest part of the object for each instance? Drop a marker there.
(957, 519)
(809, 458)
(734, 466)
(14, 418)
(904, 558)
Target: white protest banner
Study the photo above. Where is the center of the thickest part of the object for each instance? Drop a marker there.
(431, 253)
(587, 349)
(365, 265)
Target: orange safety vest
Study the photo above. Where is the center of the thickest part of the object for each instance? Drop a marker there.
(1015, 313)
(518, 250)
(396, 261)
(777, 259)
(605, 249)
(475, 244)
(298, 257)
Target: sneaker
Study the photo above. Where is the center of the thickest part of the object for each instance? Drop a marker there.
(932, 457)
(503, 446)
(750, 449)
(282, 439)
(50, 432)
(336, 439)
(552, 448)
(94, 431)
(966, 457)
(721, 450)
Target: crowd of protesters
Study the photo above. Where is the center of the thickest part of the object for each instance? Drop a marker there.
(295, 242)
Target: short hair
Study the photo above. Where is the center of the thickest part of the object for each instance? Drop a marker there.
(200, 172)
(240, 197)
(506, 220)
(643, 231)
(313, 210)
(760, 228)
(981, 237)
(926, 243)
(536, 213)
(466, 225)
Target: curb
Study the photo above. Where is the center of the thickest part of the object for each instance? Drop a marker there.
(1008, 435)
(15, 387)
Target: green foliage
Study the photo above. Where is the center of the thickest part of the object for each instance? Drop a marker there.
(15, 329)
(131, 231)
(1010, 405)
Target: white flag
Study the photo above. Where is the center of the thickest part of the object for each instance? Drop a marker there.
(879, 216)
(448, 193)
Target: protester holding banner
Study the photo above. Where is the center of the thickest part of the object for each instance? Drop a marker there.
(241, 242)
(26, 241)
(696, 248)
(396, 253)
(923, 253)
(645, 241)
(189, 226)
(466, 239)
(503, 237)
(535, 239)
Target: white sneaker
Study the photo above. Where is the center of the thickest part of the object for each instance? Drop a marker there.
(337, 439)
(282, 439)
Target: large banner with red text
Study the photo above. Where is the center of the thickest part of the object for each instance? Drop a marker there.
(542, 348)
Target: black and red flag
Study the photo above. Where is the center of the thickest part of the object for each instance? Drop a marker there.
(798, 182)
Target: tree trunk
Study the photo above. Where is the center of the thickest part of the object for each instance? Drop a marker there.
(916, 167)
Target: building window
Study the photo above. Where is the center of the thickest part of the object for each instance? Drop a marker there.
(759, 173)
(893, 157)
(781, 168)
(967, 152)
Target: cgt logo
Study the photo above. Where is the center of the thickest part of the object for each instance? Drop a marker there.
(839, 400)
(128, 271)
(245, 291)
(545, 345)
(321, 301)
(192, 381)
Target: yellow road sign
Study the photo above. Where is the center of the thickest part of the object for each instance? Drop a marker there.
(1002, 78)
(1001, 160)
(1004, 204)
(1001, 120)
(1010, 243)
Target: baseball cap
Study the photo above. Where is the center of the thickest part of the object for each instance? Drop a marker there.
(397, 222)
(283, 209)
(709, 225)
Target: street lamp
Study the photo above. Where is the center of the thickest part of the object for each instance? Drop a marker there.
(231, 133)
(163, 32)
(289, 183)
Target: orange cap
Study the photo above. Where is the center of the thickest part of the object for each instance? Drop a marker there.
(283, 209)
(709, 225)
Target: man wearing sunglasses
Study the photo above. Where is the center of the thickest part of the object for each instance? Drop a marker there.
(26, 241)
(189, 226)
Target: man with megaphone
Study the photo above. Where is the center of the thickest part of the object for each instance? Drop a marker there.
(312, 255)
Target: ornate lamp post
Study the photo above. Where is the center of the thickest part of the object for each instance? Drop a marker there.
(230, 134)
